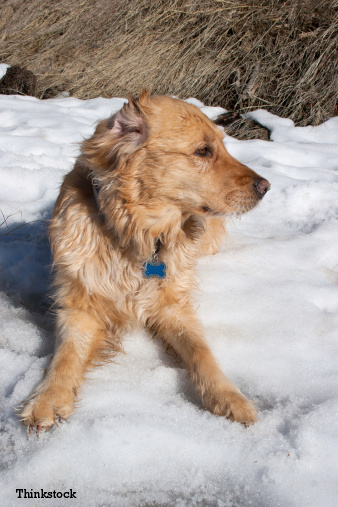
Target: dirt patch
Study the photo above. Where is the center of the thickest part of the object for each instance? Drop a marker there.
(18, 81)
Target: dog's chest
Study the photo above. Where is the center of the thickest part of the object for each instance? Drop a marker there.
(120, 279)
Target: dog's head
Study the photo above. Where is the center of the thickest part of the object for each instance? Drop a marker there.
(167, 158)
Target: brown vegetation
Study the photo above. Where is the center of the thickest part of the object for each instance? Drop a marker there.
(18, 81)
(276, 54)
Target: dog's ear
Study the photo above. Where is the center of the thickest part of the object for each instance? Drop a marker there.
(129, 125)
(121, 135)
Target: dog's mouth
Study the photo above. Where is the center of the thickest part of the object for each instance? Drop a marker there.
(238, 201)
(206, 210)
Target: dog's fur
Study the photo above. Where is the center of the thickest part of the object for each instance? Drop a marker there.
(163, 174)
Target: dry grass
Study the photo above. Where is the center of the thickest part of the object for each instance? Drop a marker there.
(18, 81)
(276, 54)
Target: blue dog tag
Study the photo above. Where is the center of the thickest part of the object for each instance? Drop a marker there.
(154, 269)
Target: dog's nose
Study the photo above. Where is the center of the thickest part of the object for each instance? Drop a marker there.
(261, 186)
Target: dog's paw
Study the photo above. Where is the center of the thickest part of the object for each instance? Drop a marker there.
(234, 406)
(43, 411)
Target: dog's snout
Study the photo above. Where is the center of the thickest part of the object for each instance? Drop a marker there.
(261, 186)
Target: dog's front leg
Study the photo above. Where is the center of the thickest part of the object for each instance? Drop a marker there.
(78, 333)
(182, 330)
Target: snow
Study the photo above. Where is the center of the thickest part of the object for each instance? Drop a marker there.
(268, 302)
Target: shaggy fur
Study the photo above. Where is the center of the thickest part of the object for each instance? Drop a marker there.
(163, 175)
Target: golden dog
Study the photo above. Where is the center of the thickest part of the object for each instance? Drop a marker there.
(148, 191)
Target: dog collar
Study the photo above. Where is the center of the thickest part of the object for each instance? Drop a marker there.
(96, 189)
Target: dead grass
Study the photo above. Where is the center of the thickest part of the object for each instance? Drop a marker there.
(18, 81)
(275, 54)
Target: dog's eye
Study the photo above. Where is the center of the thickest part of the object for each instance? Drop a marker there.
(204, 152)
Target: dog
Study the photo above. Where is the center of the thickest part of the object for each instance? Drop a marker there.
(147, 196)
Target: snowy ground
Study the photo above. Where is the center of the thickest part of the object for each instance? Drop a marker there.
(268, 302)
